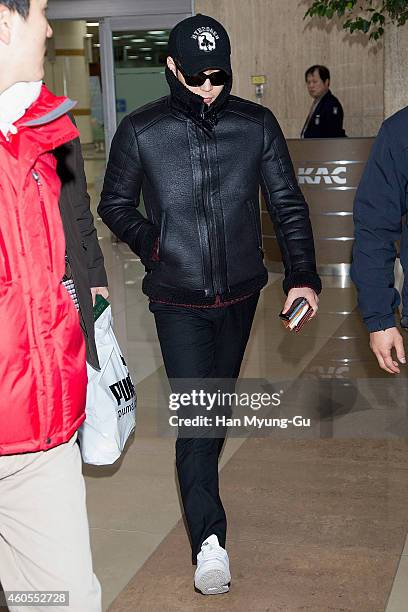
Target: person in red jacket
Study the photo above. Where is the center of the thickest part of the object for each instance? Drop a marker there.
(44, 533)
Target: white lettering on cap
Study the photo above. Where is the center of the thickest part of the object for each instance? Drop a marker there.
(206, 38)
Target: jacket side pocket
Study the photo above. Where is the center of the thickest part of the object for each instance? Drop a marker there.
(163, 229)
(48, 234)
(5, 268)
(255, 223)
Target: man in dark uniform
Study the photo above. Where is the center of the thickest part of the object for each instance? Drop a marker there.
(325, 119)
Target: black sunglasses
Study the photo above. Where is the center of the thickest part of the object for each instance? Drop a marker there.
(197, 80)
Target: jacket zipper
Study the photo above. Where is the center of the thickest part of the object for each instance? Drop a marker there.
(44, 216)
(36, 331)
(214, 250)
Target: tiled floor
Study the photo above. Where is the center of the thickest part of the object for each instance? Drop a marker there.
(317, 524)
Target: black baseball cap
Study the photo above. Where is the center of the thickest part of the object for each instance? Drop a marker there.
(199, 43)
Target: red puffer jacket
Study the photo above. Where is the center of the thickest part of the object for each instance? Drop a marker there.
(42, 354)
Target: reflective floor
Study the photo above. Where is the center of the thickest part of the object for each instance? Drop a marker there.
(317, 519)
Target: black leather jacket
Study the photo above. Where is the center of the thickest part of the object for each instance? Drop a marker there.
(200, 169)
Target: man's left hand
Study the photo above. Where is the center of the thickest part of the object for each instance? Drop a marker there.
(305, 292)
(103, 291)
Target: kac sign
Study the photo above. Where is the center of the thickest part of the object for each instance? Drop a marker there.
(314, 176)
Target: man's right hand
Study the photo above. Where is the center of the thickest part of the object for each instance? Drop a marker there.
(382, 342)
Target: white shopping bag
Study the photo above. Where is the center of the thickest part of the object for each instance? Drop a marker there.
(111, 397)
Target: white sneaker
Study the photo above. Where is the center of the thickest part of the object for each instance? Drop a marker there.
(212, 575)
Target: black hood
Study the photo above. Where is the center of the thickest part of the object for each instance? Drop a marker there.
(192, 105)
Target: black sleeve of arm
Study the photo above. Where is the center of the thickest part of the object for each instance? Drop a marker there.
(288, 210)
(121, 195)
(378, 210)
(96, 268)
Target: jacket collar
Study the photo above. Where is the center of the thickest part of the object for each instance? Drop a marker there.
(54, 113)
(328, 94)
(192, 106)
(47, 108)
(44, 127)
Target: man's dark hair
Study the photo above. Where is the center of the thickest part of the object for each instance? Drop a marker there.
(21, 6)
(324, 72)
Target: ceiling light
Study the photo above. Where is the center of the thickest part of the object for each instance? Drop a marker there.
(137, 40)
(89, 35)
(93, 24)
(156, 32)
(97, 45)
(116, 37)
(145, 49)
(127, 47)
(160, 42)
(133, 57)
(128, 36)
(148, 58)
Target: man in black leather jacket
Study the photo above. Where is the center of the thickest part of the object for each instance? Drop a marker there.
(200, 156)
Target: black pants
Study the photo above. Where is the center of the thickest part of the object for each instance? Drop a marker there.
(203, 343)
